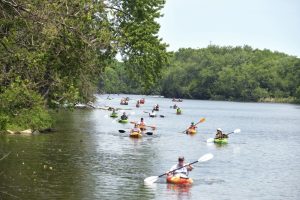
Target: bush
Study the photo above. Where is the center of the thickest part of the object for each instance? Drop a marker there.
(3, 122)
(23, 108)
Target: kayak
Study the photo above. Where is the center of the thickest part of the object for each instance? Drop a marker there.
(179, 180)
(114, 115)
(135, 135)
(123, 121)
(150, 115)
(191, 131)
(156, 109)
(221, 141)
(125, 103)
(142, 101)
(178, 113)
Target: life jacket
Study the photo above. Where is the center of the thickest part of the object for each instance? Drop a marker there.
(193, 127)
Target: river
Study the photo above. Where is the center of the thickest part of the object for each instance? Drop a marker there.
(89, 159)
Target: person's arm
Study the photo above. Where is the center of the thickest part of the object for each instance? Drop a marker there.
(190, 167)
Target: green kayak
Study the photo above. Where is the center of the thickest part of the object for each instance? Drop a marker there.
(114, 115)
(221, 141)
(123, 121)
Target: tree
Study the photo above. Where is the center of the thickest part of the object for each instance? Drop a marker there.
(63, 47)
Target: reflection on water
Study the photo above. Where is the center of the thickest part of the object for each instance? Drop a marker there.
(89, 159)
(179, 191)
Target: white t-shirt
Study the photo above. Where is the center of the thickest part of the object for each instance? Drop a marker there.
(179, 171)
(136, 130)
(153, 113)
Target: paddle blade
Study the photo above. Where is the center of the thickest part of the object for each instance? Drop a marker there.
(210, 140)
(150, 179)
(162, 116)
(122, 131)
(237, 130)
(206, 157)
(202, 120)
(149, 133)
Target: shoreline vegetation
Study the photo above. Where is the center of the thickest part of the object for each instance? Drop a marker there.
(226, 73)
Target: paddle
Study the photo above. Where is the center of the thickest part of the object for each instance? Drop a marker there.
(162, 116)
(153, 127)
(148, 133)
(210, 140)
(203, 158)
(200, 121)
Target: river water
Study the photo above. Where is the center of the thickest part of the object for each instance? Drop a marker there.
(89, 159)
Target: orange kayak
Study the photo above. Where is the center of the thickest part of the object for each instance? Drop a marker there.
(179, 180)
(191, 131)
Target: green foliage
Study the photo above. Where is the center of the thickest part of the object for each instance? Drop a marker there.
(231, 73)
(22, 108)
(63, 47)
(228, 73)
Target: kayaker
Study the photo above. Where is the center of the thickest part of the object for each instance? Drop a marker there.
(152, 114)
(113, 111)
(142, 124)
(124, 116)
(178, 111)
(175, 106)
(192, 126)
(136, 129)
(220, 134)
(183, 172)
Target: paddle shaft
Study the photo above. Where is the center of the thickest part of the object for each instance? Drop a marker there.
(179, 168)
(143, 125)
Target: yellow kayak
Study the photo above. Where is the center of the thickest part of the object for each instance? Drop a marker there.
(135, 135)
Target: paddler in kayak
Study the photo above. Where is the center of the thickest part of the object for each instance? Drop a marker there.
(124, 116)
(136, 129)
(183, 172)
(192, 126)
(152, 114)
(113, 111)
(178, 111)
(220, 134)
(142, 124)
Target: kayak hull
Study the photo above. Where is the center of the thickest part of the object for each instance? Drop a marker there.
(123, 121)
(179, 180)
(135, 135)
(221, 141)
(114, 116)
(191, 131)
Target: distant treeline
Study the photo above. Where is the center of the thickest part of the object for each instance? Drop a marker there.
(220, 73)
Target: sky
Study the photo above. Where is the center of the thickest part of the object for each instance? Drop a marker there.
(262, 24)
